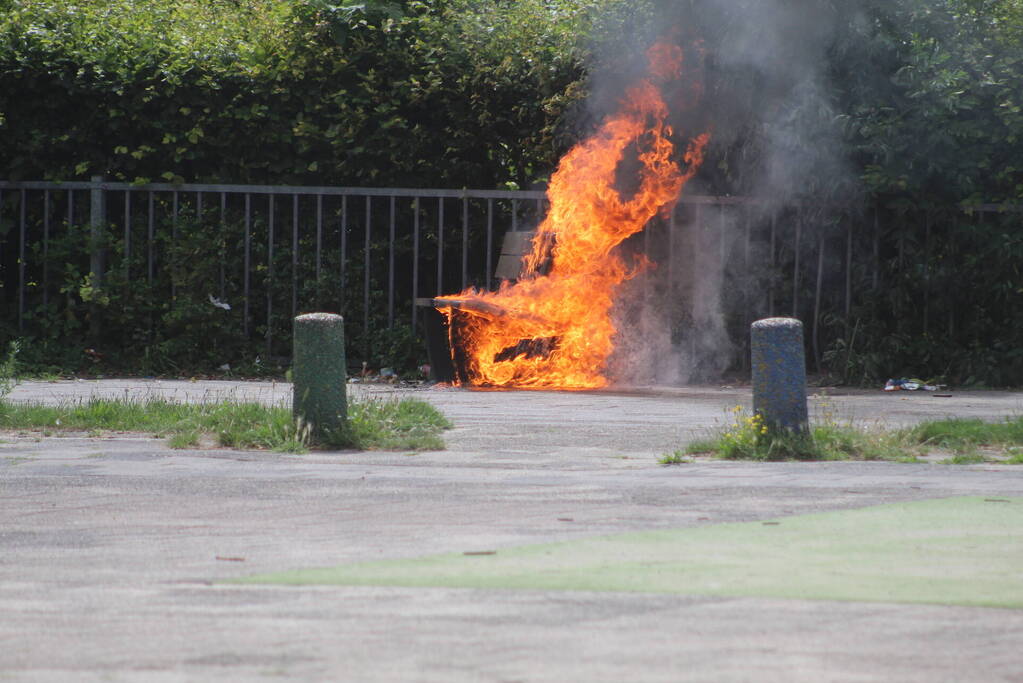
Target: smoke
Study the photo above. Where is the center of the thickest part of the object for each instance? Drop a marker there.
(758, 80)
(770, 94)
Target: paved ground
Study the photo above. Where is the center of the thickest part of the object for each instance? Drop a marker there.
(112, 550)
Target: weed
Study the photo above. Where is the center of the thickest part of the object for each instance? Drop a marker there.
(965, 459)
(701, 446)
(749, 438)
(676, 458)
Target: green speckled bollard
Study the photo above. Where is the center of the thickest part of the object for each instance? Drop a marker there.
(779, 373)
(318, 371)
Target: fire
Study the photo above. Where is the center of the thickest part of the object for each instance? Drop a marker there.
(553, 327)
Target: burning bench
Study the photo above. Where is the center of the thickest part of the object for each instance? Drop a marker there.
(448, 362)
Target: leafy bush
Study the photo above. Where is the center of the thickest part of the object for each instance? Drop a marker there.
(374, 93)
(9, 369)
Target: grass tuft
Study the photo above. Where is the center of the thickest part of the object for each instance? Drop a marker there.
(184, 440)
(406, 424)
(963, 436)
(676, 458)
(749, 439)
(965, 459)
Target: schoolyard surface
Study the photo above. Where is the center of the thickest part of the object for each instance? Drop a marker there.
(546, 543)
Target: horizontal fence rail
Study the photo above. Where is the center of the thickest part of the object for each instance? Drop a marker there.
(258, 255)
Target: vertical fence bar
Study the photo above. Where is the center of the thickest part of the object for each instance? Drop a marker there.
(722, 241)
(747, 298)
(465, 243)
(174, 243)
(269, 278)
(697, 238)
(222, 244)
(319, 237)
(97, 229)
(671, 252)
(97, 225)
(365, 278)
(795, 267)
(21, 262)
(150, 238)
(515, 215)
(440, 246)
(46, 248)
(294, 255)
(722, 251)
(902, 248)
(198, 212)
(127, 237)
(877, 247)
(246, 279)
(848, 275)
(344, 252)
(648, 283)
(647, 279)
(149, 251)
(927, 271)
(390, 266)
(697, 247)
(415, 260)
(774, 262)
(953, 255)
(2, 292)
(817, 302)
(490, 240)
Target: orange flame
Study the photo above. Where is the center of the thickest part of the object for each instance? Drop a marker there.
(554, 329)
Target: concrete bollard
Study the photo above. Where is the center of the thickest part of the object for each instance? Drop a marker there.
(779, 373)
(318, 372)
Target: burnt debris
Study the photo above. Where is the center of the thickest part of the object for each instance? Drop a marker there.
(541, 347)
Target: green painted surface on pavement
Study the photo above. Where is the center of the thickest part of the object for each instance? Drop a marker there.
(954, 551)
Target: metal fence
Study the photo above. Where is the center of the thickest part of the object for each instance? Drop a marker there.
(372, 250)
(271, 252)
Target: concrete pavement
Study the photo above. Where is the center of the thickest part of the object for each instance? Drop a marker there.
(112, 549)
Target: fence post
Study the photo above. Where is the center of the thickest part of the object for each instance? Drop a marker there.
(319, 373)
(779, 373)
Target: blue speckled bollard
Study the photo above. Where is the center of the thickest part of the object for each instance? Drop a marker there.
(318, 372)
(779, 373)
